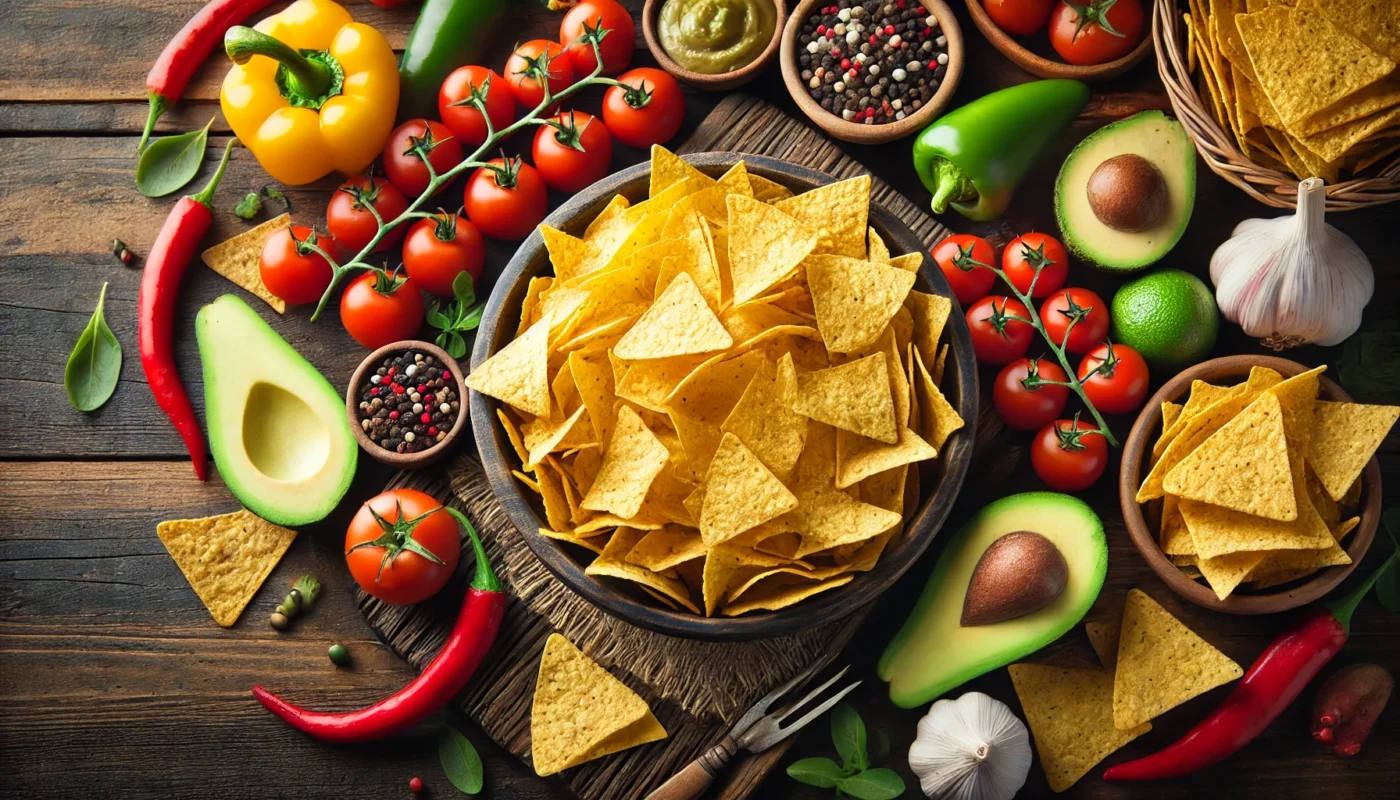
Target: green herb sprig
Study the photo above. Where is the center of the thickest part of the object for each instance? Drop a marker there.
(95, 363)
(460, 761)
(171, 162)
(460, 315)
(854, 777)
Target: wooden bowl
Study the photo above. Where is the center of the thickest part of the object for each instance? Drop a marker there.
(872, 134)
(1233, 369)
(352, 406)
(651, 12)
(940, 479)
(1048, 68)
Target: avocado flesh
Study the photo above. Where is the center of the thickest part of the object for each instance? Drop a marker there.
(277, 428)
(1164, 143)
(933, 653)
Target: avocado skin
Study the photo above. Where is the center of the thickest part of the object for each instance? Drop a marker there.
(919, 670)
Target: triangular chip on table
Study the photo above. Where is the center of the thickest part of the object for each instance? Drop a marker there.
(1103, 637)
(1161, 663)
(634, 458)
(854, 299)
(679, 323)
(1243, 466)
(518, 374)
(740, 493)
(239, 259)
(1344, 437)
(765, 246)
(838, 212)
(581, 712)
(225, 558)
(855, 397)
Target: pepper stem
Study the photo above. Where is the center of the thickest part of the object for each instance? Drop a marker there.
(305, 77)
(485, 579)
(951, 184)
(157, 108)
(1345, 606)
(206, 195)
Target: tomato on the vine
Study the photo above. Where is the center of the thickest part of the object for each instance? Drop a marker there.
(1019, 17)
(437, 250)
(409, 144)
(1031, 250)
(291, 269)
(1022, 401)
(1096, 31)
(506, 199)
(378, 308)
(348, 217)
(402, 546)
(1069, 455)
(1086, 310)
(460, 115)
(532, 57)
(999, 332)
(966, 263)
(617, 45)
(1115, 377)
(647, 109)
(572, 151)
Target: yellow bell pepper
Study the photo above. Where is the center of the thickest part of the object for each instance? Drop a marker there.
(311, 91)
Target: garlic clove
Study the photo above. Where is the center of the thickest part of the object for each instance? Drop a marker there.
(972, 748)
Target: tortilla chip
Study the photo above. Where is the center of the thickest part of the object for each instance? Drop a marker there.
(1202, 395)
(669, 169)
(875, 249)
(662, 549)
(765, 246)
(838, 212)
(1344, 437)
(854, 397)
(1170, 411)
(648, 383)
(518, 374)
(780, 591)
(930, 312)
(633, 460)
(702, 402)
(763, 418)
(937, 418)
(1175, 538)
(1243, 466)
(854, 299)
(239, 259)
(679, 323)
(612, 563)
(1103, 637)
(1375, 22)
(727, 563)
(225, 558)
(740, 493)
(859, 457)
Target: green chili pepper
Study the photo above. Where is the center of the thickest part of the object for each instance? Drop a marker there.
(448, 34)
(973, 157)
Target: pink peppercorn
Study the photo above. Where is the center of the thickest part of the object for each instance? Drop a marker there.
(415, 784)
(426, 418)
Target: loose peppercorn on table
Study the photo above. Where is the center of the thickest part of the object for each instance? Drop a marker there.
(113, 679)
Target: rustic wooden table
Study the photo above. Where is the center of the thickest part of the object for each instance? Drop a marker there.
(113, 679)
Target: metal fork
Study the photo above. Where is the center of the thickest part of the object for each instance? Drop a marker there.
(755, 732)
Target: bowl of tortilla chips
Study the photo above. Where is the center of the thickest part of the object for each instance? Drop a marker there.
(722, 396)
(1249, 483)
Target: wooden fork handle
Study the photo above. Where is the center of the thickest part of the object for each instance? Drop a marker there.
(697, 776)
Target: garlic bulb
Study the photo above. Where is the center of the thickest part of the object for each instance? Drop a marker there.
(1293, 280)
(972, 748)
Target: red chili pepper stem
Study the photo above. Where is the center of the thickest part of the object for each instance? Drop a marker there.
(158, 107)
(1343, 607)
(485, 579)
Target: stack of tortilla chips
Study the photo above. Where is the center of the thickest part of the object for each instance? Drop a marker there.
(1256, 480)
(721, 389)
(1306, 86)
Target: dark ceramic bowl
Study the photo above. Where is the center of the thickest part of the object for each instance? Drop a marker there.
(940, 479)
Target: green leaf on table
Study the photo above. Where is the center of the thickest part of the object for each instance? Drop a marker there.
(1388, 584)
(873, 784)
(171, 162)
(822, 773)
(95, 363)
(460, 761)
(464, 289)
(848, 732)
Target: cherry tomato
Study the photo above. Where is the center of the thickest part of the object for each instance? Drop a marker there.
(438, 250)
(506, 199)
(964, 260)
(1019, 17)
(1027, 251)
(291, 269)
(1115, 377)
(997, 338)
(616, 46)
(575, 154)
(458, 113)
(348, 217)
(1097, 31)
(421, 554)
(648, 109)
(1021, 402)
(378, 308)
(1069, 455)
(1072, 304)
(403, 163)
(527, 90)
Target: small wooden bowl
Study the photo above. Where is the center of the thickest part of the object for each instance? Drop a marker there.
(1047, 68)
(1232, 369)
(352, 405)
(872, 134)
(651, 12)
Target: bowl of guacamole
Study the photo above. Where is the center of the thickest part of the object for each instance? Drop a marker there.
(714, 44)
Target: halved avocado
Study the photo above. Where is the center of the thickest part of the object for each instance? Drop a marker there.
(933, 652)
(1134, 219)
(277, 428)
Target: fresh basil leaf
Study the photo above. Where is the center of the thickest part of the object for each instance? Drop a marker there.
(472, 320)
(464, 289)
(822, 773)
(456, 346)
(460, 761)
(95, 363)
(171, 162)
(879, 746)
(436, 318)
(873, 784)
(1388, 584)
(848, 732)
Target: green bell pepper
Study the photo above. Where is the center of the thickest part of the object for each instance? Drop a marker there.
(447, 35)
(973, 157)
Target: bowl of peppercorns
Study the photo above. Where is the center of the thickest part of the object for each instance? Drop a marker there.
(872, 71)
(405, 403)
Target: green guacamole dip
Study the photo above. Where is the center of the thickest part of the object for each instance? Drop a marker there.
(716, 36)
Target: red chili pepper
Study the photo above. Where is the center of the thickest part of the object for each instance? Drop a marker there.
(447, 674)
(1271, 684)
(166, 82)
(172, 252)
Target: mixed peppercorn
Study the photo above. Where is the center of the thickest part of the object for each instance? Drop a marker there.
(410, 403)
(873, 62)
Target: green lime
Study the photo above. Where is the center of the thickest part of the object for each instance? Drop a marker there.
(1168, 316)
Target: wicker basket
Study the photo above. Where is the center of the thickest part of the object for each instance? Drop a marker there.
(1220, 150)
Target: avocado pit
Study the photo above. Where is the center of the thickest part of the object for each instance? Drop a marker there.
(1127, 193)
(1018, 574)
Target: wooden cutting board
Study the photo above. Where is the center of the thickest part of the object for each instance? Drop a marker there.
(500, 696)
